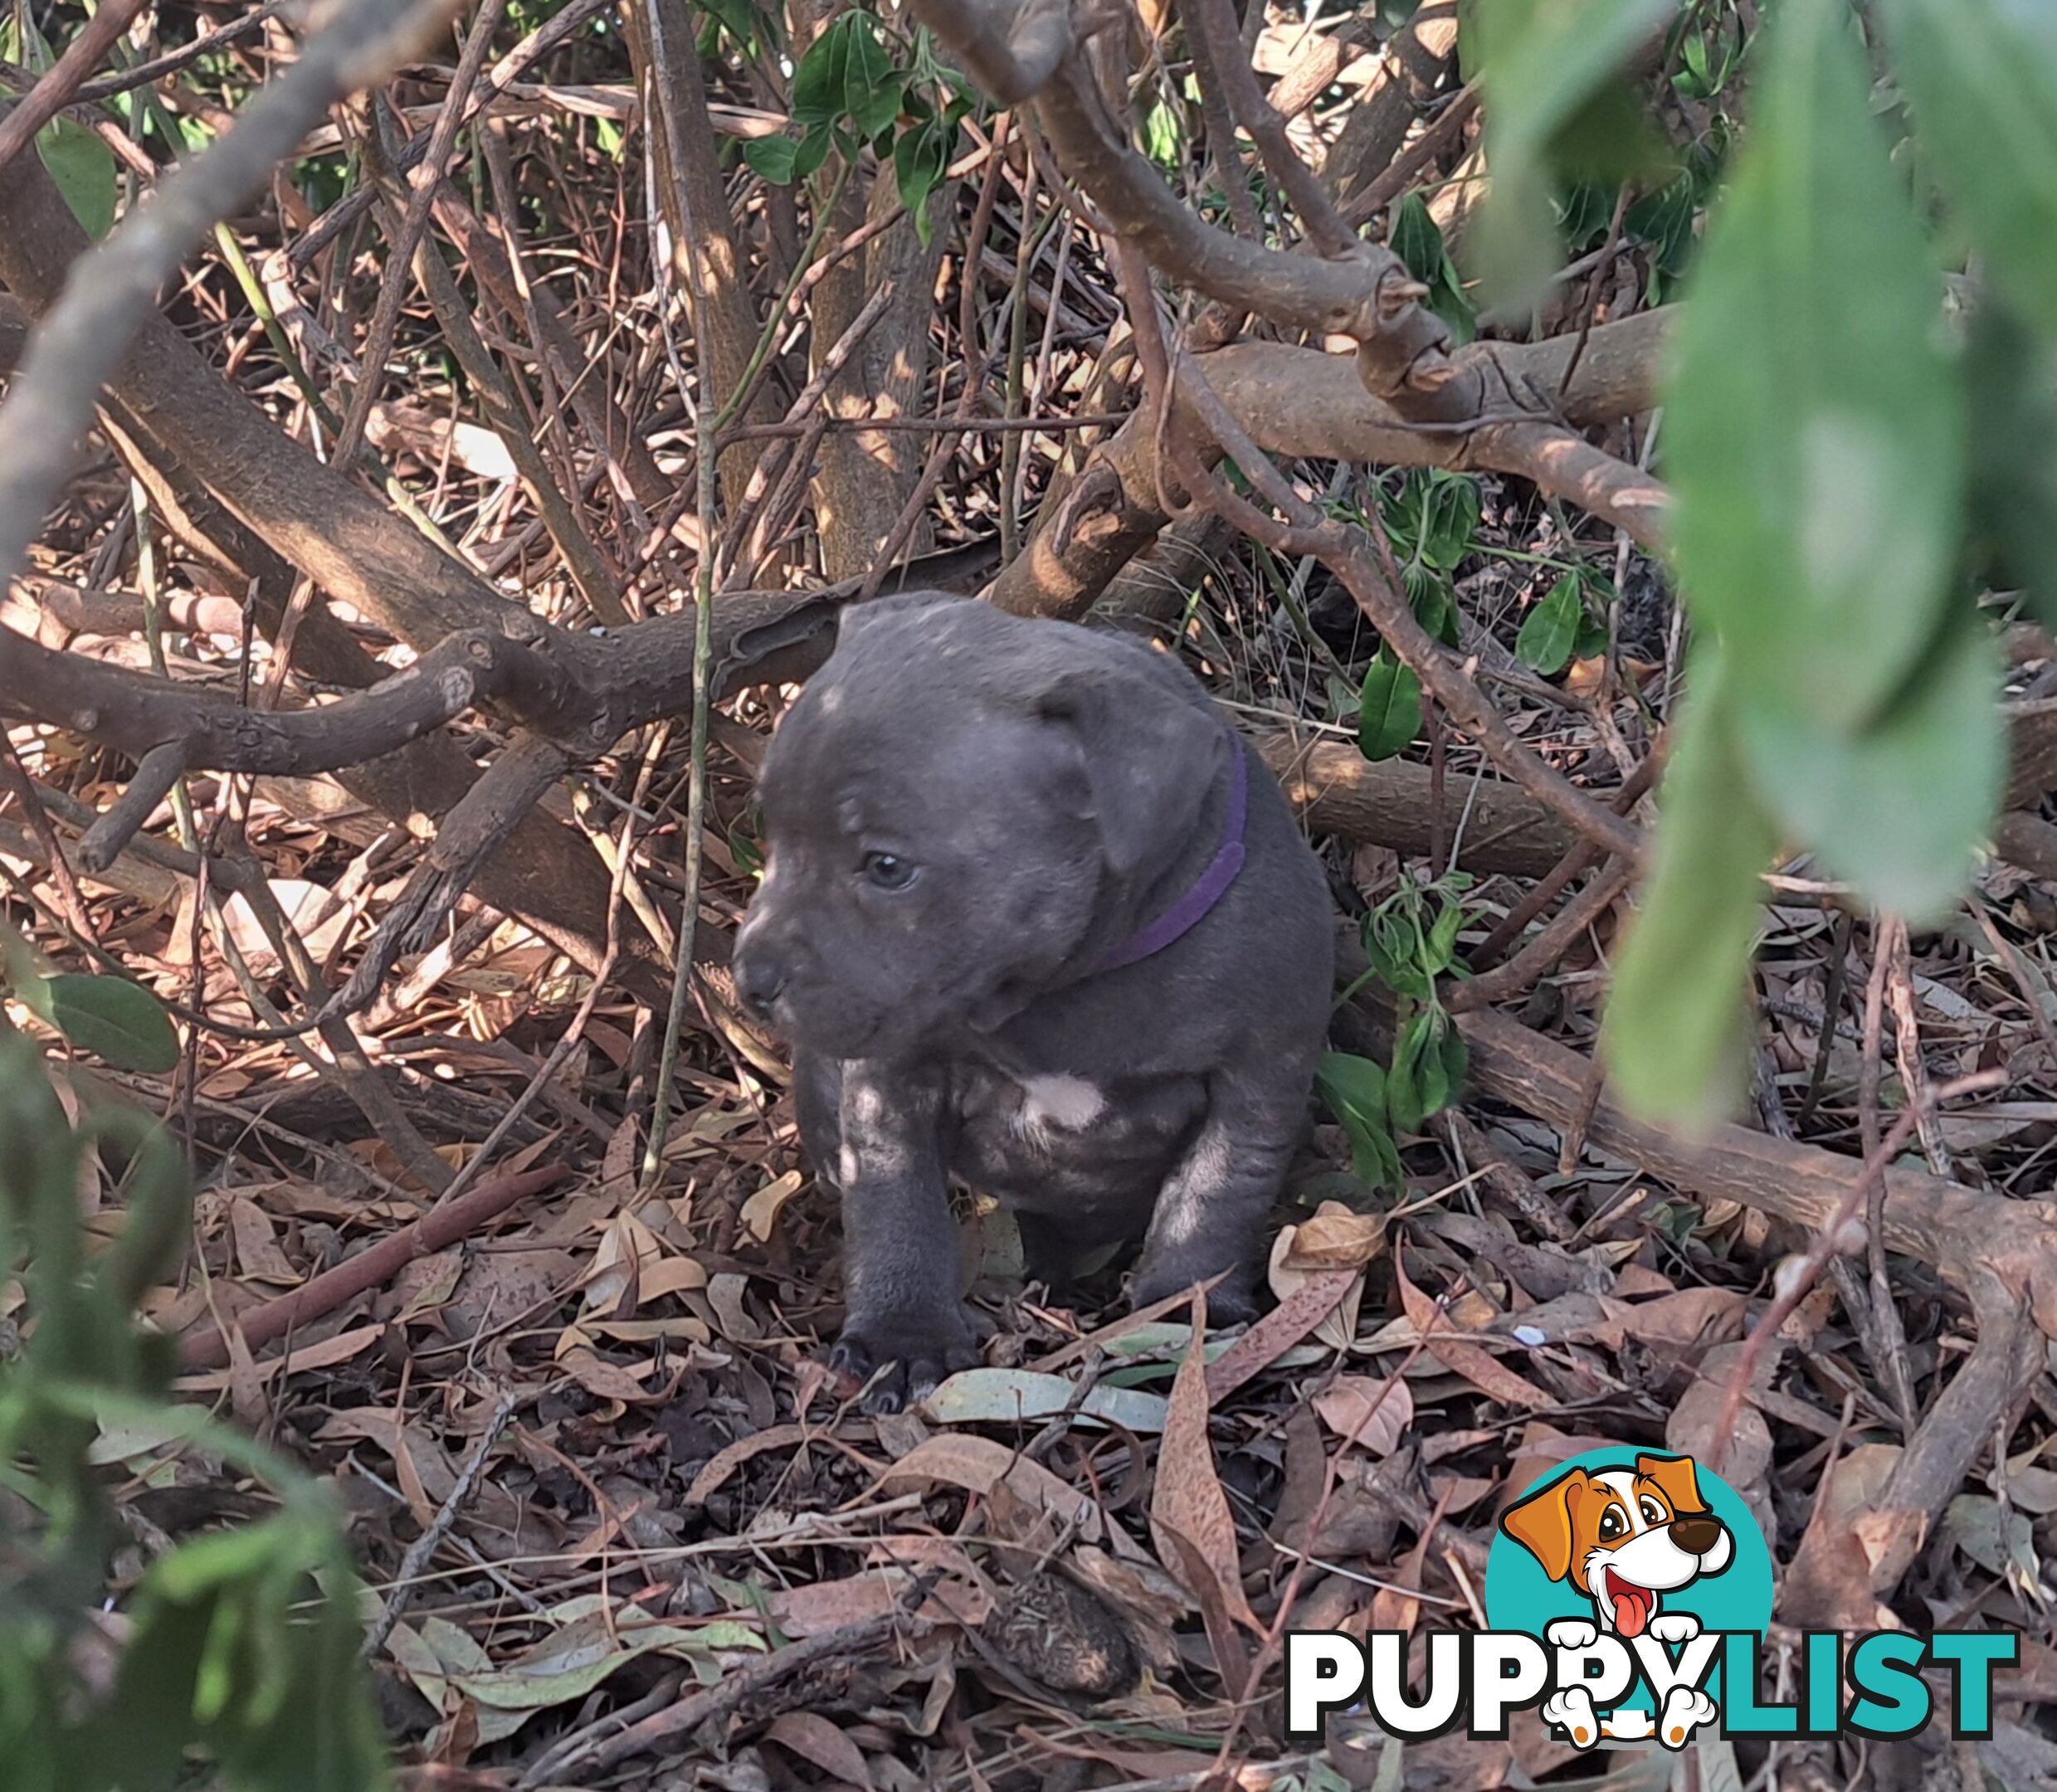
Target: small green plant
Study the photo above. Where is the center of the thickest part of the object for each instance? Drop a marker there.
(218, 1655)
(1416, 238)
(849, 90)
(109, 1016)
(81, 165)
(235, 1655)
(1563, 627)
(1853, 460)
(1410, 939)
(1431, 518)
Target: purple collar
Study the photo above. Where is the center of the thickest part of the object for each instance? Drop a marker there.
(1194, 907)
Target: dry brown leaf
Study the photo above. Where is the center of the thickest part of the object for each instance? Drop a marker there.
(814, 1739)
(1337, 1327)
(1371, 1413)
(257, 1252)
(611, 1380)
(725, 1461)
(499, 1288)
(1309, 1307)
(614, 1283)
(979, 1464)
(806, 1611)
(674, 1275)
(324, 1355)
(1337, 1237)
(1695, 1422)
(421, 1287)
(1476, 1364)
(1190, 1518)
(760, 1212)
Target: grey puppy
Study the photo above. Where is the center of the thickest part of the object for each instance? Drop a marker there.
(1033, 917)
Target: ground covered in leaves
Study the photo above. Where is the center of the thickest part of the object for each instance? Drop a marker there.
(618, 1525)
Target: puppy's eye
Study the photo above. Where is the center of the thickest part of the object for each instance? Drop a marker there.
(1612, 1524)
(1653, 1513)
(888, 871)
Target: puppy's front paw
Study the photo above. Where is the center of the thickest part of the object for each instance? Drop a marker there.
(1571, 1634)
(898, 1360)
(1675, 1626)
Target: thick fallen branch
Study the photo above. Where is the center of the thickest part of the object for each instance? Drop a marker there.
(2000, 1254)
(1296, 403)
(1966, 1236)
(1338, 791)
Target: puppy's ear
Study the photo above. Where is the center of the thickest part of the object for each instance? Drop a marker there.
(1675, 1480)
(1149, 756)
(1542, 1523)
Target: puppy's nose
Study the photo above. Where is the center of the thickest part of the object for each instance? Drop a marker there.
(760, 977)
(1696, 1536)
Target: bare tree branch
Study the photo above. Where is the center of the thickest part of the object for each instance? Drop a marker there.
(114, 287)
(1358, 290)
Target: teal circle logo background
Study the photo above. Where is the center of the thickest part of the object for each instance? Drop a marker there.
(1520, 1596)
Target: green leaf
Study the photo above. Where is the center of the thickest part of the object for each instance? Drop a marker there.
(919, 160)
(1902, 808)
(1433, 599)
(1419, 1084)
(814, 149)
(1675, 1024)
(1416, 237)
(1982, 76)
(2010, 379)
(83, 167)
(1551, 629)
(108, 1016)
(1441, 946)
(817, 83)
(1450, 510)
(1162, 136)
(1544, 63)
(1354, 1090)
(736, 18)
(872, 87)
(1392, 942)
(1814, 427)
(1389, 709)
(772, 157)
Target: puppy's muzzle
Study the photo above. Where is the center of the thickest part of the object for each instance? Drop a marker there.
(761, 976)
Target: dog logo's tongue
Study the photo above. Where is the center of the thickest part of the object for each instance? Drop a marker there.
(1632, 1605)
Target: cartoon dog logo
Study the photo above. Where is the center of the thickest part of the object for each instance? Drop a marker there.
(1624, 1538)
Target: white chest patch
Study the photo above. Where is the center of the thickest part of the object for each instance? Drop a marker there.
(1067, 1103)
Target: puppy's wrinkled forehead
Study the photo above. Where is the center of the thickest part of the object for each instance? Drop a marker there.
(913, 719)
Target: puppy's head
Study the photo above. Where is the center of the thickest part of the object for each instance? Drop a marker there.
(1623, 1536)
(947, 807)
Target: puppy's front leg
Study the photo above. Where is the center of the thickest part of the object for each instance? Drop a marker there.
(904, 1307)
(1210, 1213)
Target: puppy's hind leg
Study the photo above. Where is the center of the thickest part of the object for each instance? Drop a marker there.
(1210, 1215)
